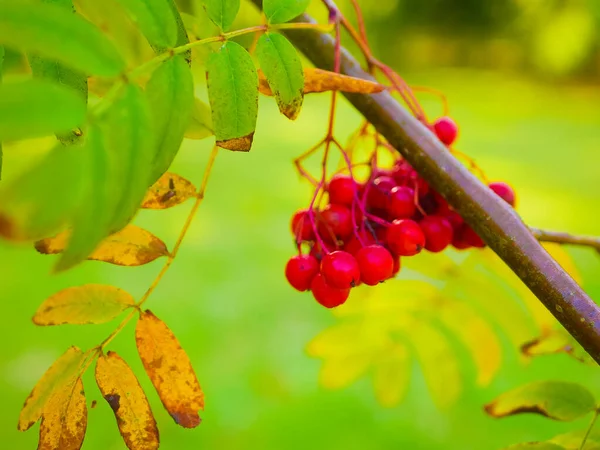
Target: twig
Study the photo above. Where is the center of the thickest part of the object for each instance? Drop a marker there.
(492, 218)
(559, 237)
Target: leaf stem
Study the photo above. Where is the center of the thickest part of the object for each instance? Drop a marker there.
(589, 430)
(559, 237)
(173, 254)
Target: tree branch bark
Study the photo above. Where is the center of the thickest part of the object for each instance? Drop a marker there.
(493, 219)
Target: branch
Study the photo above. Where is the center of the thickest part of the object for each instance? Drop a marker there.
(493, 219)
(565, 238)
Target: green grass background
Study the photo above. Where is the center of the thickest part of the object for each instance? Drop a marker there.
(245, 330)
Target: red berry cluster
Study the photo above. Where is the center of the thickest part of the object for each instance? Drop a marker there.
(359, 236)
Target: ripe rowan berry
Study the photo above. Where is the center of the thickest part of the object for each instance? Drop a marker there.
(340, 270)
(401, 203)
(446, 130)
(326, 295)
(405, 237)
(342, 189)
(334, 221)
(376, 264)
(505, 192)
(301, 226)
(300, 270)
(438, 233)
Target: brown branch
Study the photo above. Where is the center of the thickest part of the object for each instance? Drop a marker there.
(492, 218)
(559, 237)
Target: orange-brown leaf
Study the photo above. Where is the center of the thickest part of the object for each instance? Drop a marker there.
(132, 246)
(241, 144)
(170, 370)
(168, 191)
(64, 419)
(319, 80)
(121, 389)
(64, 370)
(90, 303)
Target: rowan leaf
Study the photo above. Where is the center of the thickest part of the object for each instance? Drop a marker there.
(170, 190)
(557, 400)
(573, 439)
(233, 94)
(182, 36)
(281, 64)
(279, 11)
(129, 140)
(90, 223)
(170, 94)
(222, 12)
(52, 32)
(200, 125)
(1, 71)
(319, 80)
(391, 375)
(64, 419)
(91, 303)
(29, 209)
(64, 370)
(132, 246)
(155, 20)
(121, 389)
(170, 370)
(35, 108)
(62, 74)
(556, 341)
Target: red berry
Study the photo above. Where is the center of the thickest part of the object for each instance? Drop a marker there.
(326, 295)
(376, 264)
(401, 203)
(397, 265)
(458, 240)
(455, 219)
(505, 192)
(301, 227)
(340, 270)
(446, 130)
(342, 189)
(402, 172)
(354, 245)
(470, 237)
(438, 233)
(379, 191)
(443, 208)
(335, 221)
(405, 237)
(300, 270)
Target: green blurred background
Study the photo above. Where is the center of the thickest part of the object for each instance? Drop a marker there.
(521, 79)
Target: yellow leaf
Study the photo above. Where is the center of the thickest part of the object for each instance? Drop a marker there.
(168, 191)
(556, 341)
(91, 303)
(477, 336)
(391, 375)
(169, 369)
(319, 80)
(64, 370)
(439, 363)
(132, 246)
(64, 419)
(121, 389)
(341, 371)
(201, 125)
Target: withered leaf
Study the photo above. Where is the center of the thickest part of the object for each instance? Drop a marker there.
(121, 389)
(169, 369)
(319, 80)
(64, 419)
(90, 303)
(64, 370)
(132, 246)
(168, 191)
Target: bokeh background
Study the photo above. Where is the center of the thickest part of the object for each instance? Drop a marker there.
(521, 77)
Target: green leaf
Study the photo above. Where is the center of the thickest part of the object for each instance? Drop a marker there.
(91, 303)
(573, 439)
(557, 400)
(182, 36)
(129, 139)
(200, 125)
(233, 95)
(281, 64)
(51, 32)
(36, 108)
(43, 199)
(91, 220)
(155, 20)
(279, 11)
(170, 94)
(1, 70)
(222, 12)
(535, 446)
(60, 73)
